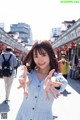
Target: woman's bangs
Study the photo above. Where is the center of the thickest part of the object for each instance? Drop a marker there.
(40, 50)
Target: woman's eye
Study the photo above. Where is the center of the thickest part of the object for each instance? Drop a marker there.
(35, 56)
(44, 54)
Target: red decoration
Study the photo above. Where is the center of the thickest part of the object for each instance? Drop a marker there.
(72, 45)
(65, 47)
(57, 50)
(16, 51)
(61, 49)
(2, 46)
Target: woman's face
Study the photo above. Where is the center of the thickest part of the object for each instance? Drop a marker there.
(42, 59)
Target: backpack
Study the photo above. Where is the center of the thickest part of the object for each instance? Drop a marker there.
(6, 68)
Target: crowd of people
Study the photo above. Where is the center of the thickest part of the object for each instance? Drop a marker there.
(42, 77)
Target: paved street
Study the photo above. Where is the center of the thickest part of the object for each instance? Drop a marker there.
(66, 107)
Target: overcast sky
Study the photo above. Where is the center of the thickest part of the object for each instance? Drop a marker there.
(41, 15)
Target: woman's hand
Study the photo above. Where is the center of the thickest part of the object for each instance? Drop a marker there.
(22, 80)
(50, 85)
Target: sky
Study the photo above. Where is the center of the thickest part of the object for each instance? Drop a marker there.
(41, 15)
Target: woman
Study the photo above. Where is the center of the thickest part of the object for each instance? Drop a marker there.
(41, 83)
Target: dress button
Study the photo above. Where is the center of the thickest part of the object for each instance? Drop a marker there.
(38, 85)
(35, 96)
(33, 108)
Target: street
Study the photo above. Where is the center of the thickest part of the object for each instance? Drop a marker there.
(66, 107)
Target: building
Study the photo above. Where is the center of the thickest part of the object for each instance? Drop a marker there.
(24, 31)
(69, 42)
(55, 33)
(6, 39)
(68, 24)
(2, 26)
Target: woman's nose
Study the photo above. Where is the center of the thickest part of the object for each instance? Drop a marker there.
(40, 59)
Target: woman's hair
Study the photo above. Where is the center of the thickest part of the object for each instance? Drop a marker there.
(40, 46)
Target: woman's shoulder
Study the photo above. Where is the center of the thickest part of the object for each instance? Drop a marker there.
(31, 73)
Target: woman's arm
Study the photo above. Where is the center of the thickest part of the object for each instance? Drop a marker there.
(54, 84)
(49, 85)
(23, 78)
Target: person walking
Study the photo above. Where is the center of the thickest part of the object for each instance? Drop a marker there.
(8, 63)
(64, 67)
(40, 81)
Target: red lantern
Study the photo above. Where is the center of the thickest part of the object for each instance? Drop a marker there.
(60, 49)
(16, 51)
(2, 46)
(57, 50)
(65, 47)
(72, 45)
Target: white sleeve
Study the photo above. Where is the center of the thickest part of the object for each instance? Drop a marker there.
(20, 73)
(63, 81)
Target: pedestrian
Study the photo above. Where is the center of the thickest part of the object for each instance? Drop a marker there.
(8, 64)
(64, 67)
(40, 81)
(73, 70)
(0, 68)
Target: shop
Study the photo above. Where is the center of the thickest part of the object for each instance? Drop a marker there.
(69, 44)
(5, 40)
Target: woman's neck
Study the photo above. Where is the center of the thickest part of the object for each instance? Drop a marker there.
(44, 71)
(41, 74)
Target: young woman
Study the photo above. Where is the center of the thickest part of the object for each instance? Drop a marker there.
(41, 83)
